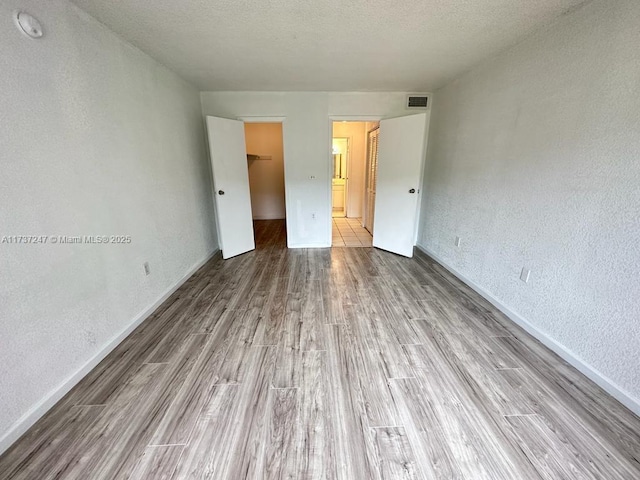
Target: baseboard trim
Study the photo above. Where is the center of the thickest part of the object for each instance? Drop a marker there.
(592, 374)
(43, 406)
(310, 245)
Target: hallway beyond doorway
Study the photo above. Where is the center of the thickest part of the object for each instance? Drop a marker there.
(349, 232)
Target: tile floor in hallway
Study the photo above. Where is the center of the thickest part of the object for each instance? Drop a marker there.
(349, 232)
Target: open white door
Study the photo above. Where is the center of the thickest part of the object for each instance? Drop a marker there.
(227, 149)
(400, 156)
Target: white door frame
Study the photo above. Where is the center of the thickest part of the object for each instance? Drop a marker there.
(256, 119)
(339, 118)
(283, 121)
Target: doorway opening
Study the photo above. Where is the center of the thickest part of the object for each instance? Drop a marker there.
(353, 183)
(265, 161)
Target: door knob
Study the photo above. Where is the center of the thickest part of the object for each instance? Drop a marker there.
(220, 192)
(413, 190)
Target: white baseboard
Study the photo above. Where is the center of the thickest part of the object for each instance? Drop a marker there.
(310, 245)
(44, 405)
(602, 381)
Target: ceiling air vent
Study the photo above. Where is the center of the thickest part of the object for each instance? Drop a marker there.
(417, 101)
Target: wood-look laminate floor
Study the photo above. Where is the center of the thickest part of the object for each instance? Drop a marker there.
(329, 363)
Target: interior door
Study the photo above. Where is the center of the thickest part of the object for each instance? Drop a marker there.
(227, 150)
(371, 174)
(401, 150)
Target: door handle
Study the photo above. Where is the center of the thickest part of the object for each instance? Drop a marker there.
(220, 192)
(413, 190)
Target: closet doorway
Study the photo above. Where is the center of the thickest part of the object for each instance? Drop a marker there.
(265, 161)
(248, 181)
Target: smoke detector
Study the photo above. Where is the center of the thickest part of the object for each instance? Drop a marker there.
(28, 24)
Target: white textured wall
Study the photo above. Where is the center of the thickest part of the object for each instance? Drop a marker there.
(534, 160)
(307, 145)
(266, 177)
(96, 138)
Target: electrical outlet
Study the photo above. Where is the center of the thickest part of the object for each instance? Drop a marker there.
(458, 242)
(147, 270)
(313, 216)
(524, 274)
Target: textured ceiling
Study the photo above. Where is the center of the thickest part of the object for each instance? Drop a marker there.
(340, 45)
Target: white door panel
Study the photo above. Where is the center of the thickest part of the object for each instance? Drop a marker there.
(400, 156)
(227, 150)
